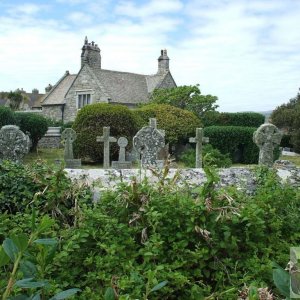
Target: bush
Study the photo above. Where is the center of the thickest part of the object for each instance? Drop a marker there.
(179, 124)
(235, 140)
(216, 158)
(247, 119)
(286, 141)
(34, 125)
(7, 116)
(89, 124)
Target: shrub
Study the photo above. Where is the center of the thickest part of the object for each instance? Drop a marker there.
(34, 125)
(235, 140)
(89, 124)
(216, 158)
(247, 119)
(179, 124)
(7, 116)
(286, 141)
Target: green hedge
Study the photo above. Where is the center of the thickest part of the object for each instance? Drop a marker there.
(34, 125)
(89, 124)
(234, 140)
(179, 124)
(247, 119)
(7, 116)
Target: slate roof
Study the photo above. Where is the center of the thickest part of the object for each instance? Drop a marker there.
(120, 87)
(57, 94)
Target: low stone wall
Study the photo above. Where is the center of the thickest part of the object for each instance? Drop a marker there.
(242, 178)
(52, 139)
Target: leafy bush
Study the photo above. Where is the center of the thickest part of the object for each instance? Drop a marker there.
(246, 119)
(286, 141)
(19, 183)
(235, 140)
(217, 159)
(179, 124)
(7, 116)
(89, 124)
(34, 125)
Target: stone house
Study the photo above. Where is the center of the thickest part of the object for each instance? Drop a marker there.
(93, 84)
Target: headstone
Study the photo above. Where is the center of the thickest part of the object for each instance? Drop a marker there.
(14, 144)
(106, 139)
(266, 137)
(148, 141)
(68, 137)
(122, 163)
(199, 139)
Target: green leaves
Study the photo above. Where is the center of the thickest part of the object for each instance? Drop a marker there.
(159, 286)
(10, 249)
(28, 283)
(109, 294)
(4, 258)
(65, 294)
(282, 280)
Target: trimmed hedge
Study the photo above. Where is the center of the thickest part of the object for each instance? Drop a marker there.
(179, 124)
(235, 140)
(7, 116)
(34, 125)
(89, 124)
(247, 119)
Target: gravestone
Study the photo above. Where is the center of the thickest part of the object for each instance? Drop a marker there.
(106, 139)
(122, 163)
(148, 141)
(14, 144)
(68, 137)
(266, 137)
(199, 139)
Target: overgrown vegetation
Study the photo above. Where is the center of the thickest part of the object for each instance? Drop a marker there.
(144, 241)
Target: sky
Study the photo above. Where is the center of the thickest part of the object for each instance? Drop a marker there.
(245, 52)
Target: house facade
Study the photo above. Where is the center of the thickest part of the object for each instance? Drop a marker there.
(93, 84)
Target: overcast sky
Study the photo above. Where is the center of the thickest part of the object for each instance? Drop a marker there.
(245, 52)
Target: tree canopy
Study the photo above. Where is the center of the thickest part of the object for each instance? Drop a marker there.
(186, 97)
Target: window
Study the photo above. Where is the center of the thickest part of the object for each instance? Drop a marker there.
(83, 100)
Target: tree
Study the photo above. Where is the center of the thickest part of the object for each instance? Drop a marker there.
(14, 99)
(287, 117)
(186, 97)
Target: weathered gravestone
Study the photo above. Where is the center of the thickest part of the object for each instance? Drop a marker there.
(68, 137)
(148, 141)
(106, 139)
(14, 144)
(199, 139)
(122, 163)
(266, 137)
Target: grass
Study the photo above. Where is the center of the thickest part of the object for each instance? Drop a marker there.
(56, 155)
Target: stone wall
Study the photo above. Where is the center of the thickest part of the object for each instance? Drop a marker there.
(52, 139)
(168, 82)
(53, 112)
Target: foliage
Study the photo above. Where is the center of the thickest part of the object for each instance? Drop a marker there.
(192, 243)
(179, 124)
(89, 124)
(217, 159)
(34, 125)
(19, 183)
(286, 117)
(17, 255)
(245, 119)
(186, 97)
(286, 141)
(7, 116)
(235, 140)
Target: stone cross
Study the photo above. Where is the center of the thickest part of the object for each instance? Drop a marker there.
(148, 141)
(266, 137)
(68, 136)
(199, 139)
(153, 124)
(14, 144)
(122, 163)
(106, 139)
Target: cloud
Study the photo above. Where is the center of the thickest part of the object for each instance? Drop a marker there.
(26, 9)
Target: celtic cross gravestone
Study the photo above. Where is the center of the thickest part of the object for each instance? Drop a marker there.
(199, 139)
(106, 139)
(14, 144)
(266, 137)
(148, 141)
(68, 137)
(122, 163)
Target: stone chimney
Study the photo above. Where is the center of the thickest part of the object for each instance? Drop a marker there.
(90, 54)
(163, 62)
(35, 91)
(48, 88)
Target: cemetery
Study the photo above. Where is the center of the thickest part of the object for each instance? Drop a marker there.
(160, 215)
